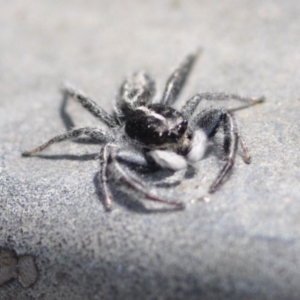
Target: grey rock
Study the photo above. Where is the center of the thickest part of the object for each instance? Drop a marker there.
(242, 244)
(27, 270)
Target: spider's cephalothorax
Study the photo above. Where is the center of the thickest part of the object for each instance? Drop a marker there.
(151, 134)
(156, 125)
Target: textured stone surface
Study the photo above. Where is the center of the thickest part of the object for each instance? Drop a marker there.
(243, 244)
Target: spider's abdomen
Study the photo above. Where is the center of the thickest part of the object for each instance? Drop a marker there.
(155, 124)
(136, 91)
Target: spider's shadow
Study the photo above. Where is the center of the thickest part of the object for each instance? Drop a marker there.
(83, 157)
(67, 120)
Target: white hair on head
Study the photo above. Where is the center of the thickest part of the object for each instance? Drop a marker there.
(151, 113)
(198, 146)
(168, 159)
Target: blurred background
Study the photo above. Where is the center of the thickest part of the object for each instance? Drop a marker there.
(243, 243)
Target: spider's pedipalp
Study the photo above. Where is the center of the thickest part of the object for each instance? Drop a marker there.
(210, 121)
(133, 158)
(198, 146)
(168, 159)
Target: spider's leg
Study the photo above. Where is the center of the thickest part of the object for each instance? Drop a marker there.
(177, 79)
(246, 154)
(210, 121)
(122, 157)
(96, 134)
(191, 105)
(107, 156)
(137, 90)
(104, 158)
(227, 96)
(89, 105)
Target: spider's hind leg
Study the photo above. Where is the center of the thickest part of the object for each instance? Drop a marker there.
(177, 79)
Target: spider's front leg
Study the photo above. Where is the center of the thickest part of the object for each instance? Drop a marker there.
(210, 121)
(117, 159)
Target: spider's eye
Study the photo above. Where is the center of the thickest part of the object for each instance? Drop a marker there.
(182, 127)
(177, 132)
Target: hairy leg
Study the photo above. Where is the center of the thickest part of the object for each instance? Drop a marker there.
(89, 105)
(104, 157)
(190, 106)
(177, 79)
(92, 132)
(245, 150)
(120, 158)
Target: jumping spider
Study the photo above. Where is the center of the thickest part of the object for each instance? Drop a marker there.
(152, 135)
